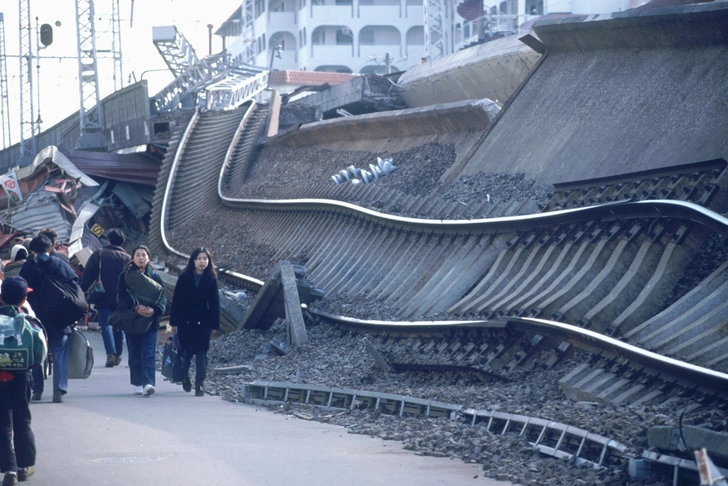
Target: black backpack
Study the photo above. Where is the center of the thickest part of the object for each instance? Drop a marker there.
(63, 301)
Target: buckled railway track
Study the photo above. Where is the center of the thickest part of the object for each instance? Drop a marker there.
(593, 269)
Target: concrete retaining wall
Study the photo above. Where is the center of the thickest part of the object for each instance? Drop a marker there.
(643, 90)
(464, 116)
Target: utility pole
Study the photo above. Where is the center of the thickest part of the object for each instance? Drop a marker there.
(4, 96)
(92, 120)
(28, 147)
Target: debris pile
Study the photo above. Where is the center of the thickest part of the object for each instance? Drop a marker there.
(52, 192)
(356, 176)
(340, 359)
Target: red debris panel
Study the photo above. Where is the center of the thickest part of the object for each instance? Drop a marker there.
(66, 189)
(139, 168)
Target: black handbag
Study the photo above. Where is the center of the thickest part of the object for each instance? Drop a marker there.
(96, 292)
(130, 321)
(169, 357)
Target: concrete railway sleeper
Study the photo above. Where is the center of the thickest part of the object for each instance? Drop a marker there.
(489, 278)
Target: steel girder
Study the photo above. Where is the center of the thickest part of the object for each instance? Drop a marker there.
(177, 52)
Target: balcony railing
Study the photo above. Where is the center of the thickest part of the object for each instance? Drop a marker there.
(379, 50)
(331, 14)
(380, 12)
(322, 52)
(282, 20)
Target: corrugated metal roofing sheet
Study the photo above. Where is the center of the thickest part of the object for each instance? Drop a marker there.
(137, 168)
(33, 217)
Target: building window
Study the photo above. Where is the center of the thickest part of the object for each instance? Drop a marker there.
(343, 2)
(319, 37)
(344, 37)
(281, 7)
(305, 41)
(366, 37)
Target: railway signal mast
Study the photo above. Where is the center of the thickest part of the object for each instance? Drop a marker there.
(92, 121)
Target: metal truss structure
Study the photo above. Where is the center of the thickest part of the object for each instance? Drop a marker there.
(182, 92)
(177, 52)
(240, 85)
(211, 83)
(27, 110)
(92, 121)
(4, 96)
(116, 45)
(436, 44)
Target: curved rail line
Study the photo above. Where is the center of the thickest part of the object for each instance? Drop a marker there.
(169, 186)
(576, 335)
(618, 211)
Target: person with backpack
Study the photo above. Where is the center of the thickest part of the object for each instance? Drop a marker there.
(53, 236)
(106, 264)
(196, 314)
(142, 300)
(58, 301)
(23, 347)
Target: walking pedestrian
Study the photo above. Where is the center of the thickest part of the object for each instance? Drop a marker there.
(195, 314)
(17, 441)
(58, 326)
(106, 264)
(141, 289)
(53, 236)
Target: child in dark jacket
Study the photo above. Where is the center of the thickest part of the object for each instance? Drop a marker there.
(17, 441)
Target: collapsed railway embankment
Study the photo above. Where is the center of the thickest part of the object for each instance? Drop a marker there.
(612, 274)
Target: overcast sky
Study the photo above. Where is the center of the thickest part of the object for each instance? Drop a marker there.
(57, 77)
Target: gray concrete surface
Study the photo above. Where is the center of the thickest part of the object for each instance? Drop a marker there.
(104, 435)
(643, 90)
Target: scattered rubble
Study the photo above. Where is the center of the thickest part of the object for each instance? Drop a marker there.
(333, 357)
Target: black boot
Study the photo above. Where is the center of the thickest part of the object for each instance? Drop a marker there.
(198, 391)
(186, 384)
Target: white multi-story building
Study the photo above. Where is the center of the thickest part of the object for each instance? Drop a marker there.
(376, 36)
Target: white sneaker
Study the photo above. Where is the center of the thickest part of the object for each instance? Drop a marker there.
(148, 390)
(138, 390)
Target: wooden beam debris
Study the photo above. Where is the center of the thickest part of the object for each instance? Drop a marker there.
(296, 328)
(269, 303)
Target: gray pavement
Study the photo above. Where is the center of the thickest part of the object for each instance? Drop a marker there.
(104, 435)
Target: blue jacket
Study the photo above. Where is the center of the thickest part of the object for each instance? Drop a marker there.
(32, 271)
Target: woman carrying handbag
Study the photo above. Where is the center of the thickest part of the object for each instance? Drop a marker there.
(141, 299)
(106, 276)
(195, 314)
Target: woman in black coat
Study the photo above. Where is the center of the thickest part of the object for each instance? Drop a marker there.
(196, 313)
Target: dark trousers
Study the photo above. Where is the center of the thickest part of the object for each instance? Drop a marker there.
(17, 442)
(200, 366)
(38, 379)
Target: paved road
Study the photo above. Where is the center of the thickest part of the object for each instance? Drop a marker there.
(104, 435)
